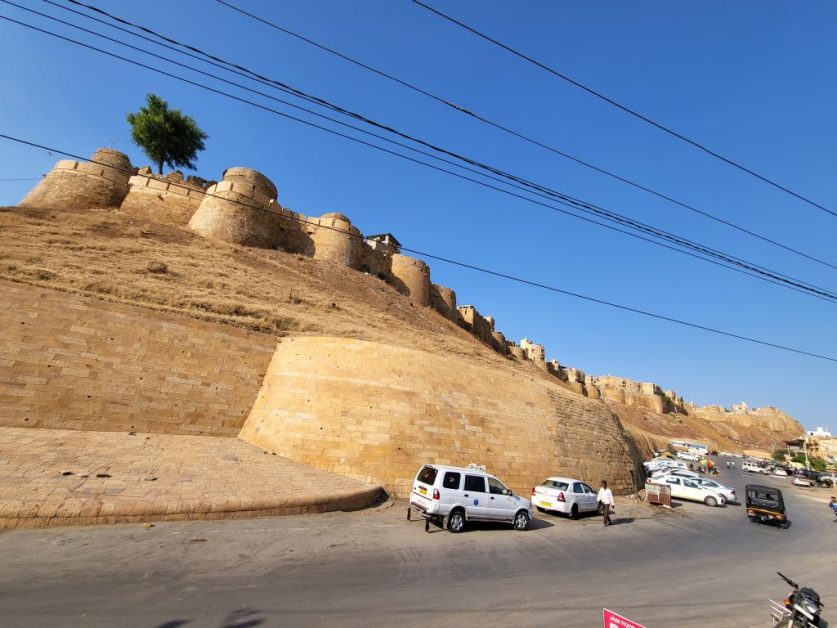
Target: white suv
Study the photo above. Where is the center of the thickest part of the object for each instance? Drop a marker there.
(452, 496)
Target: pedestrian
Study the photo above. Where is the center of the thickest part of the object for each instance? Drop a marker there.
(832, 504)
(605, 498)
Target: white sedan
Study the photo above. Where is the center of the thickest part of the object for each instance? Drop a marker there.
(690, 489)
(727, 492)
(565, 495)
(683, 473)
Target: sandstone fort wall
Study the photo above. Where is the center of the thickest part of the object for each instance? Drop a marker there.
(377, 412)
(73, 362)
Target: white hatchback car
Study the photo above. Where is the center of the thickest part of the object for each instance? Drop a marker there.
(689, 489)
(564, 495)
(452, 496)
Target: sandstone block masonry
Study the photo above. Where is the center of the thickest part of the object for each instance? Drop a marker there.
(376, 413)
(103, 182)
(72, 362)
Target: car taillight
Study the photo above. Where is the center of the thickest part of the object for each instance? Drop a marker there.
(533, 491)
(561, 497)
(732, 491)
(435, 493)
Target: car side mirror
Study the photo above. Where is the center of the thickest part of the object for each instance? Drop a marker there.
(507, 492)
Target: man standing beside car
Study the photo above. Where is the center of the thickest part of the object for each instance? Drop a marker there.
(605, 498)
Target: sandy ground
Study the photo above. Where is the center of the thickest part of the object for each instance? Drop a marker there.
(61, 477)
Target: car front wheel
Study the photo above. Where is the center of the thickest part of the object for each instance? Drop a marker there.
(710, 501)
(456, 521)
(521, 521)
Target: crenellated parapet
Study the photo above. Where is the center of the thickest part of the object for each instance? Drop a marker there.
(238, 210)
(169, 198)
(101, 182)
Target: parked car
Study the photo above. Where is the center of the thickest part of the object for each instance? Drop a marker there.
(752, 467)
(801, 480)
(780, 472)
(828, 480)
(453, 496)
(565, 495)
(685, 455)
(689, 489)
(683, 473)
(727, 492)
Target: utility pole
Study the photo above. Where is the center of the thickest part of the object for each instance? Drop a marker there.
(805, 449)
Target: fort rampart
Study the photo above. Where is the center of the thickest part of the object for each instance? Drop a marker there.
(72, 362)
(377, 412)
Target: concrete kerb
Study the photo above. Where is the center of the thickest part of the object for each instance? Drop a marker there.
(345, 501)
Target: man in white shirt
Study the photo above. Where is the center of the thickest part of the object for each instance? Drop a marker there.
(605, 498)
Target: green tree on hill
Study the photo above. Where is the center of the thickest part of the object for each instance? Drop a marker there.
(167, 136)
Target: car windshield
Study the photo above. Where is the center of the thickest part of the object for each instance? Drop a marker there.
(427, 475)
(555, 484)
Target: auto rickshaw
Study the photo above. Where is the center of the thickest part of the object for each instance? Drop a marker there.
(765, 504)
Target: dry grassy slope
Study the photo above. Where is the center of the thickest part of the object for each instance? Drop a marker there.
(105, 253)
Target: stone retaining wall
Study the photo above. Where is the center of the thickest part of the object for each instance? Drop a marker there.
(80, 363)
(376, 412)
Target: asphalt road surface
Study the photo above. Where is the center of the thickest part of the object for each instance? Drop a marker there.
(693, 566)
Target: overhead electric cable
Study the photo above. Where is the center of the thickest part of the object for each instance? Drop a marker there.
(469, 112)
(447, 260)
(626, 109)
(755, 271)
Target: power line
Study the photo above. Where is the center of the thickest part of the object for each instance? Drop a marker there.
(447, 260)
(519, 135)
(743, 267)
(626, 109)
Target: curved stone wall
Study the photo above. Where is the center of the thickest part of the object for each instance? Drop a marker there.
(377, 412)
(336, 240)
(443, 300)
(238, 210)
(412, 277)
(81, 185)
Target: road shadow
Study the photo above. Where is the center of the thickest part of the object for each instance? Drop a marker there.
(243, 618)
(174, 623)
(621, 520)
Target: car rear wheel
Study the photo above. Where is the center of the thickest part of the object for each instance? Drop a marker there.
(574, 512)
(456, 521)
(710, 501)
(521, 521)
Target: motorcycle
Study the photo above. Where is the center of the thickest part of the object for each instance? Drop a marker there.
(801, 609)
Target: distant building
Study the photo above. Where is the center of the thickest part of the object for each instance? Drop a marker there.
(690, 446)
(740, 408)
(384, 242)
(820, 432)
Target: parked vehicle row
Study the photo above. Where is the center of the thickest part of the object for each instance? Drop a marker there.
(695, 488)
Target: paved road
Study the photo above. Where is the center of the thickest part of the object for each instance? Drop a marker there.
(694, 566)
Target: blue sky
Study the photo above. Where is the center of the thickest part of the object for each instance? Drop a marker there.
(753, 80)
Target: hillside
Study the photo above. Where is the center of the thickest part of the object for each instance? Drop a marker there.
(107, 253)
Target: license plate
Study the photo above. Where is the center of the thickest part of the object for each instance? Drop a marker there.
(547, 504)
(422, 490)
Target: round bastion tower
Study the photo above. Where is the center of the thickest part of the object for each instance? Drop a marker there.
(238, 209)
(336, 240)
(101, 182)
(412, 277)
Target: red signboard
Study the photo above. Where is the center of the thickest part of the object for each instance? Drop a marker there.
(612, 620)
